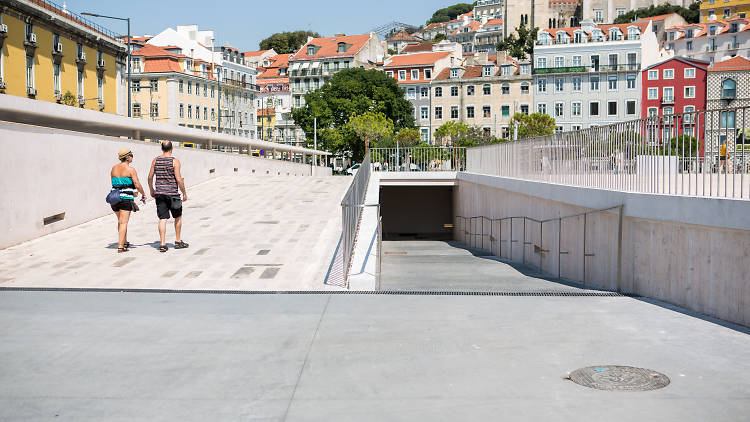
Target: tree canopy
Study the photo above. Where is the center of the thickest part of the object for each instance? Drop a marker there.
(287, 42)
(462, 135)
(439, 37)
(531, 125)
(451, 12)
(370, 127)
(352, 92)
(519, 46)
(691, 14)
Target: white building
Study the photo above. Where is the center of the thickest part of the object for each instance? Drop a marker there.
(712, 41)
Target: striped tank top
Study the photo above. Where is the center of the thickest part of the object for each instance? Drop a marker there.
(166, 182)
(126, 186)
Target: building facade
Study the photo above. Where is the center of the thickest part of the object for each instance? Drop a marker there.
(728, 86)
(712, 10)
(320, 58)
(606, 11)
(590, 75)
(53, 55)
(713, 41)
(414, 73)
(484, 95)
(275, 95)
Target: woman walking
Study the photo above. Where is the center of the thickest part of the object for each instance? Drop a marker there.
(125, 178)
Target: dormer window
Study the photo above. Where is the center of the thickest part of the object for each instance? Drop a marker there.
(562, 38)
(689, 33)
(578, 37)
(634, 34)
(454, 73)
(488, 71)
(310, 50)
(341, 47)
(615, 34)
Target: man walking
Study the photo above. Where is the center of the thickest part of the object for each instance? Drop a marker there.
(168, 178)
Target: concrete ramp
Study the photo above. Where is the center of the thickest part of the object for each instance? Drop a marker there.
(245, 233)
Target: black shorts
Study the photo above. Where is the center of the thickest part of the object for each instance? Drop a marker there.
(124, 205)
(165, 206)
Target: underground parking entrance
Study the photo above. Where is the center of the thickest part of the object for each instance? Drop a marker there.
(417, 212)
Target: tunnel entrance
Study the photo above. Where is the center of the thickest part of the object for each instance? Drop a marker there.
(417, 212)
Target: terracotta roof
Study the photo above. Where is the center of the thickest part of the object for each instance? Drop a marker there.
(416, 59)
(473, 26)
(254, 53)
(414, 48)
(272, 81)
(494, 22)
(150, 50)
(470, 72)
(160, 65)
(657, 17)
(735, 63)
(642, 26)
(434, 25)
(402, 36)
(701, 64)
(328, 47)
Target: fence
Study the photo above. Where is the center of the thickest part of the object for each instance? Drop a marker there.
(419, 159)
(701, 153)
(560, 247)
(351, 211)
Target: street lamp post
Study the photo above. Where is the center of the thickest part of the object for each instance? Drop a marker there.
(126, 45)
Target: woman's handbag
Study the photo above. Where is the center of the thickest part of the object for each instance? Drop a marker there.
(113, 197)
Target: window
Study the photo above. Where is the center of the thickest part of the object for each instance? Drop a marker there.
(612, 108)
(438, 91)
(653, 75)
(630, 81)
(559, 84)
(454, 91)
(136, 85)
(558, 109)
(727, 12)
(541, 108)
(205, 91)
(668, 111)
(55, 77)
(486, 111)
(424, 92)
(136, 110)
(688, 118)
(182, 110)
(668, 73)
(197, 112)
(524, 87)
(613, 61)
(541, 85)
(653, 93)
(559, 61)
(689, 92)
(454, 112)
(425, 112)
(576, 60)
(594, 108)
(341, 48)
(310, 50)
(630, 107)
(505, 88)
(454, 73)
(504, 71)
(213, 114)
(525, 109)
(154, 85)
(470, 90)
(213, 94)
(438, 112)
(576, 83)
(100, 87)
(401, 75)
(190, 111)
(728, 88)
(470, 112)
(154, 110)
(594, 83)
(576, 108)
(80, 84)
(612, 82)
(389, 73)
(541, 62)
(427, 74)
(505, 111)
(411, 93)
(190, 87)
(414, 74)
(689, 45)
(526, 69)
(486, 89)
(668, 94)
(30, 72)
(205, 114)
(181, 86)
(727, 119)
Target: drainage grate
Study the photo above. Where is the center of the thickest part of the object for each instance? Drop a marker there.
(619, 378)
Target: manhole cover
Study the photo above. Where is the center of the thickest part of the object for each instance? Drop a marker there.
(619, 378)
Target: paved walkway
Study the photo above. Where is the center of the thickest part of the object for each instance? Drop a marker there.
(71, 356)
(245, 233)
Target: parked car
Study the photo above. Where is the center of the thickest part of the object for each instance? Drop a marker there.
(353, 169)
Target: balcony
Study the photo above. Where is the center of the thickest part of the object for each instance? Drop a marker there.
(667, 100)
(564, 69)
(628, 67)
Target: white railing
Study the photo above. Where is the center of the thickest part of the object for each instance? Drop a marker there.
(695, 154)
(351, 211)
(419, 159)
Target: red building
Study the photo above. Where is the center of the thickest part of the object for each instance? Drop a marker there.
(675, 86)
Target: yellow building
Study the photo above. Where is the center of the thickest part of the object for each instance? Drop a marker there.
(712, 10)
(53, 55)
(266, 122)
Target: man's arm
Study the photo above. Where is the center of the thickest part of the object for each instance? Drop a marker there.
(180, 180)
(151, 179)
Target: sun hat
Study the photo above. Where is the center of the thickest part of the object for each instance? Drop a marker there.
(124, 153)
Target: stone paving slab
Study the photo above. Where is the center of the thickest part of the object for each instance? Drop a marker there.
(245, 233)
(72, 356)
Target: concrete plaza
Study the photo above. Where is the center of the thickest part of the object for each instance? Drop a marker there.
(82, 356)
(245, 233)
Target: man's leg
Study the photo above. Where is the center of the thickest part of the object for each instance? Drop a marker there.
(177, 228)
(163, 231)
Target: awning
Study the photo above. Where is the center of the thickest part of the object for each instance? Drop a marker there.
(295, 66)
(305, 65)
(315, 65)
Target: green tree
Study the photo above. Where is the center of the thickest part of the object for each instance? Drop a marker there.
(439, 37)
(690, 14)
(531, 125)
(69, 99)
(408, 137)
(352, 92)
(452, 132)
(681, 145)
(370, 127)
(451, 12)
(520, 44)
(287, 42)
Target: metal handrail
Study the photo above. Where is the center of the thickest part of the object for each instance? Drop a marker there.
(433, 158)
(476, 238)
(351, 211)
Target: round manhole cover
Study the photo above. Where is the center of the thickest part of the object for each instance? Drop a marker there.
(619, 378)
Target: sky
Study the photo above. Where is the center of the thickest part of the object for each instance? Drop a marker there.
(243, 24)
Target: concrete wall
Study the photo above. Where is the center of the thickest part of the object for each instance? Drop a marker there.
(691, 252)
(51, 171)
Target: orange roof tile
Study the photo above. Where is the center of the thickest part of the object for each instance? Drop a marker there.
(735, 63)
(414, 48)
(254, 53)
(494, 22)
(160, 65)
(657, 17)
(417, 59)
(150, 50)
(402, 36)
(328, 47)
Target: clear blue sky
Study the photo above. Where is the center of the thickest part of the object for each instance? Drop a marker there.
(245, 23)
